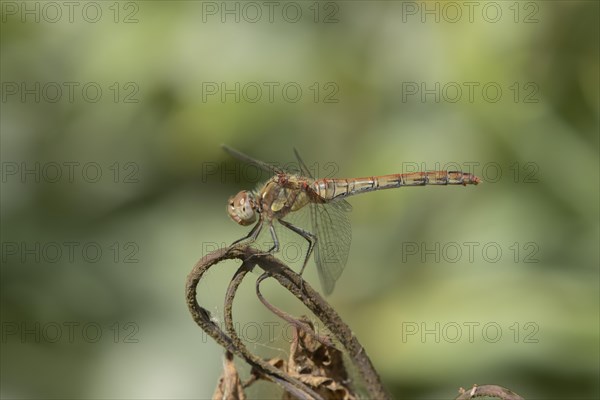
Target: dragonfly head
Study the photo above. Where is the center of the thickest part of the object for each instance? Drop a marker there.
(242, 208)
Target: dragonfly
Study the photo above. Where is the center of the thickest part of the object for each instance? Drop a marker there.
(286, 193)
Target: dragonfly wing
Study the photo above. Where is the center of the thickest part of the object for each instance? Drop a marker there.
(334, 235)
(247, 159)
(303, 168)
(306, 172)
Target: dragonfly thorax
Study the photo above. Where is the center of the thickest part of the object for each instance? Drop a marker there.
(242, 208)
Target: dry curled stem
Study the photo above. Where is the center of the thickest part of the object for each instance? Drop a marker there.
(488, 391)
(295, 385)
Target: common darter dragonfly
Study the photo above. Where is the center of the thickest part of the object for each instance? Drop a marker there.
(331, 234)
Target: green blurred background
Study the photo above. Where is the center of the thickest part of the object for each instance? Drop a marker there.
(86, 254)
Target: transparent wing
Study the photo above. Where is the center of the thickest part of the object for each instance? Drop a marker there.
(334, 234)
(306, 172)
(247, 159)
(303, 168)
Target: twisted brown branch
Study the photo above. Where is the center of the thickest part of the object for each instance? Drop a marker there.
(286, 317)
(302, 290)
(488, 391)
(290, 384)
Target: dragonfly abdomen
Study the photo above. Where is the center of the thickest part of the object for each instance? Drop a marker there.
(331, 189)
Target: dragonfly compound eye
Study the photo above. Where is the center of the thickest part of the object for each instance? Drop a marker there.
(241, 208)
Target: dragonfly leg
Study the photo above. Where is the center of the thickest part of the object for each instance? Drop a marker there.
(251, 237)
(310, 238)
(275, 247)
